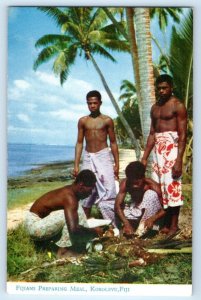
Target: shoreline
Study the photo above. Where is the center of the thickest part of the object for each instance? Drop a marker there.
(48, 172)
(61, 171)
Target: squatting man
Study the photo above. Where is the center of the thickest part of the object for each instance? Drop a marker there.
(60, 211)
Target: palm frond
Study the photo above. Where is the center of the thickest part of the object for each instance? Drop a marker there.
(45, 55)
(181, 51)
(50, 39)
(59, 16)
(98, 19)
(98, 49)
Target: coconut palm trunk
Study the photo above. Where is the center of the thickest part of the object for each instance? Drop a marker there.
(134, 55)
(123, 120)
(143, 38)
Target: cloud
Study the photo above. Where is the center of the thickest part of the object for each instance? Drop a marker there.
(22, 84)
(18, 89)
(47, 78)
(23, 117)
(65, 115)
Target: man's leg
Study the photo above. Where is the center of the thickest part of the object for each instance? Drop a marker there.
(46, 228)
(167, 221)
(174, 219)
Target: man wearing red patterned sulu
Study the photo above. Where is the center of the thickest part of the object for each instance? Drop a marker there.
(167, 138)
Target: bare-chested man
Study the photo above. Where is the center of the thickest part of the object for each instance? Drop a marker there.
(59, 211)
(168, 137)
(96, 128)
(143, 204)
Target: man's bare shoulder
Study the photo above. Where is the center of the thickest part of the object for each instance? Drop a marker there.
(83, 119)
(106, 118)
(69, 196)
(178, 104)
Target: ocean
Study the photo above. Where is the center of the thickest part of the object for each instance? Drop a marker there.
(24, 157)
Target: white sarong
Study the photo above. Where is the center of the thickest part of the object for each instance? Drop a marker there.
(164, 156)
(104, 193)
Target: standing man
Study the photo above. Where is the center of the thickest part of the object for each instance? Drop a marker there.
(96, 128)
(168, 138)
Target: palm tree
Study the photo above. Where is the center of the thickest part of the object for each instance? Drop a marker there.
(130, 110)
(181, 65)
(85, 33)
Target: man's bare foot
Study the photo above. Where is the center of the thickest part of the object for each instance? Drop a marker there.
(165, 230)
(173, 231)
(67, 252)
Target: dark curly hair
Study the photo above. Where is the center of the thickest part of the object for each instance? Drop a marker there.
(87, 177)
(135, 170)
(94, 94)
(164, 78)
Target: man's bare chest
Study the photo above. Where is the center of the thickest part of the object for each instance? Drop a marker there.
(165, 112)
(95, 124)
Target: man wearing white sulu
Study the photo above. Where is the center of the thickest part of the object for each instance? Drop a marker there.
(97, 129)
(105, 191)
(168, 139)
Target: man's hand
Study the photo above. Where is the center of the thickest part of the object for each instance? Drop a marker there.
(99, 231)
(177, 169)
(75, 171)
(149, 223)
(116, 171)
(128, 230)
(144, 162)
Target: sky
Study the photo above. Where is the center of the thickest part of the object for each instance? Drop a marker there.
(39, 109)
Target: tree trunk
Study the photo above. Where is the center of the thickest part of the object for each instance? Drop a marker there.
(123, 120)
(134, 55)
(143, 38)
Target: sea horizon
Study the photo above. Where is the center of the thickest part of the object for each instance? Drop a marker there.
(23, 157)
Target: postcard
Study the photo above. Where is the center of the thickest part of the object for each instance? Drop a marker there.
(99, 150)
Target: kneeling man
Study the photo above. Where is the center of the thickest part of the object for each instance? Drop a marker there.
(144, 205)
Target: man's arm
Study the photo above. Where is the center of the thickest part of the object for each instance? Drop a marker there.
(150, 143)
(182, 132)
(150, 222)
(114, 147)
(79, 235)
(79, 146)
(127, 228)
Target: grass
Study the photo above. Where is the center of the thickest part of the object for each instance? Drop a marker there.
(169, 269)
(26, 194)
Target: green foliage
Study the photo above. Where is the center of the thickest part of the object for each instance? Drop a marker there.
(130, 111)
